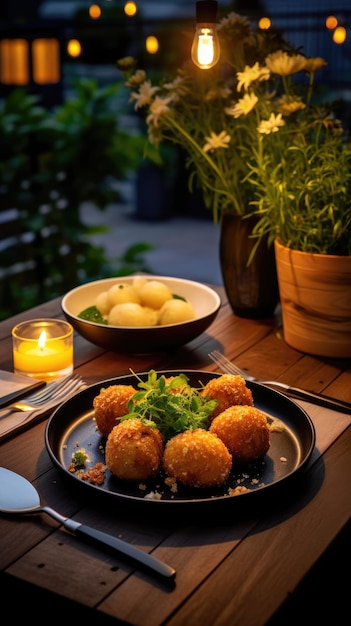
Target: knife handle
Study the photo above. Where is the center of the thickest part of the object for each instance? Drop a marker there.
(320, 399)
(126, 548)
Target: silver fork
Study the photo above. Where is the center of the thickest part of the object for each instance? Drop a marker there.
(229, 367)
(317, 398)
(52, 394)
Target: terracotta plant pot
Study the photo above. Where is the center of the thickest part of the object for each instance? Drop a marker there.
(315, 297)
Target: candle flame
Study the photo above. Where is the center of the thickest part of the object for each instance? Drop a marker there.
(42, 340)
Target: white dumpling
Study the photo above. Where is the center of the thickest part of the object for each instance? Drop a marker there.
(154, 294)
(102, 303)
(176, 311)
(131, 314)
(122, 292)
(138, 283)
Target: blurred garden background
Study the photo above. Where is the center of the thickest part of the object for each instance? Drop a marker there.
(72, 147)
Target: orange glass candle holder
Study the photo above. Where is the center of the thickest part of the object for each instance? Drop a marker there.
(43, 348)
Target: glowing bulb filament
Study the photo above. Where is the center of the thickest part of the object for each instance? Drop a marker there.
(205, 50)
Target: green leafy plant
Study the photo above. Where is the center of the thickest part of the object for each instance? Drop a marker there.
(258, 139)
(52, 162)
(171, 405)
(304, 199)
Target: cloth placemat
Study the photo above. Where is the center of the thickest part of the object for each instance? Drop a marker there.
(15, 386)
(19, 420)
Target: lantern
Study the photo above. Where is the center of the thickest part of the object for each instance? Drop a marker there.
(22, 61)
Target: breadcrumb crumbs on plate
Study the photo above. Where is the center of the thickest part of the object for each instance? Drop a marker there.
(283, 459)
(172, 484)
(237, 490)
(275, 425)
(153, 495)
(96, 474)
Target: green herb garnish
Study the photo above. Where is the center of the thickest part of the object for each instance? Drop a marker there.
(92, 314)
(79, 458)
(175, 296)
(172, 406)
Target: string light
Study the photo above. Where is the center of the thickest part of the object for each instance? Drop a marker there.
(331, 22)
(95, 11)
(339, 34)
(152, 44)
(74, 48)
(130, 9)
(205, 49)
(264, 23)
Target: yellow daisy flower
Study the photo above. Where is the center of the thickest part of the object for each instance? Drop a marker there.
(216, 141)
(284, 64)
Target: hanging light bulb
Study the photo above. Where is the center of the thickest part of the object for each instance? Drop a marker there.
(205, 49)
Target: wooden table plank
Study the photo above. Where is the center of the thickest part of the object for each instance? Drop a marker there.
(291, 546)
(233, 566)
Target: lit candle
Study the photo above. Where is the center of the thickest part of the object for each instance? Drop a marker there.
(43, 348)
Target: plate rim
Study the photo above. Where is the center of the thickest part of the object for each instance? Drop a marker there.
(108, 494)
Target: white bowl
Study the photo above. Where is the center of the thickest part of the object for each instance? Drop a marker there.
(205, 301)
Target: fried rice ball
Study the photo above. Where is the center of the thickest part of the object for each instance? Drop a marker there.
(111, 404)
(245, 432)
(134, 450)
(228, 390)
(197, 458)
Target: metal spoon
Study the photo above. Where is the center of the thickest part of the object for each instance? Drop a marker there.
(17, 495)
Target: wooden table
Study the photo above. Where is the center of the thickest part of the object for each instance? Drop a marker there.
(274, 563)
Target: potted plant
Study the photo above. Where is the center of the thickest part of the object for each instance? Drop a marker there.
(193, 110)
(265, 149)
(208, 115)
(301, 174)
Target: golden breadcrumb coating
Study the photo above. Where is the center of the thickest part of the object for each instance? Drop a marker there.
(134, 450)
(228, 390)
(245, 432)
(197, 458)
(111, 404)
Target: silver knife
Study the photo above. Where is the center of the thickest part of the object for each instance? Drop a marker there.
(315, 398)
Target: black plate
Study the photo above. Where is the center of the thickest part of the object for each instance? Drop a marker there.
(72, 425)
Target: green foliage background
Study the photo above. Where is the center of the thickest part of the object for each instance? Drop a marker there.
(51, 162)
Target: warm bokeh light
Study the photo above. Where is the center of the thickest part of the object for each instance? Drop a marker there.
(14, 67)
(151, 44)
(331, 22)
(94, 11)
(130, 9)
(74, 48)
(339, 34)
(17, 57)
(264, 23)
(46, 61)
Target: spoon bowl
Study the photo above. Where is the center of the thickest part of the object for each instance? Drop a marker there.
(19, 496)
